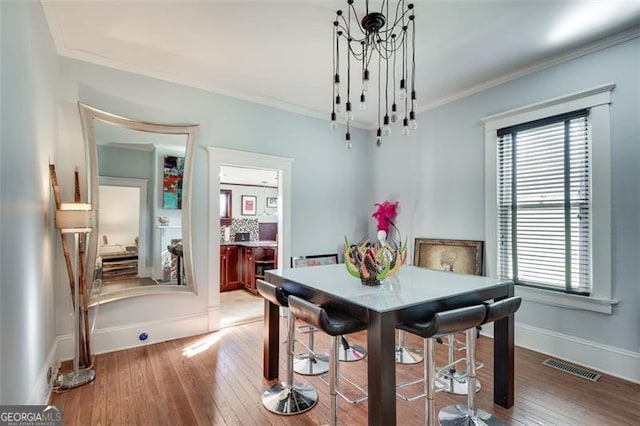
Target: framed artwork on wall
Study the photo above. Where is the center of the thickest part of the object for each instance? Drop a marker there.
(272, 202)
(172, 175)
(248, 203)
(463, 256)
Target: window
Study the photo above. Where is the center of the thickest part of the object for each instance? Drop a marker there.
(561, 227)
(543, 187)
(225, 204)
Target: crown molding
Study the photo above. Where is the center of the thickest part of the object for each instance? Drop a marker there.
(81, 55)
(547, 63)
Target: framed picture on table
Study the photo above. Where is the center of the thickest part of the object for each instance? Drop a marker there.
(248, 203)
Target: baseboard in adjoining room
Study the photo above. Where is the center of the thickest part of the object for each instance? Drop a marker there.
(610, 360)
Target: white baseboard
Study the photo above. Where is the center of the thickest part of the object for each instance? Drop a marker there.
(41, 393)
(214, 318)
(125, 337)
(610, 360)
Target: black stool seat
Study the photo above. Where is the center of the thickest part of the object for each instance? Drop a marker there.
(332, 322)
(447, 322)
(502, 308)
(273, 294)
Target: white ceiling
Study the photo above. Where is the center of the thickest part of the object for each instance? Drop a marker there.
(278, 53)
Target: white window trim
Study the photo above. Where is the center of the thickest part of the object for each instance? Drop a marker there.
(598, 100)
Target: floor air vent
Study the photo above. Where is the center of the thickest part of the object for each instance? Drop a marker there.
(572, 369)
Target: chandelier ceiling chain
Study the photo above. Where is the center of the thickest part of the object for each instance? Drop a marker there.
(373, 35)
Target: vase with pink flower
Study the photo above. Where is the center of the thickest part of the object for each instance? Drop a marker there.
(374, 261)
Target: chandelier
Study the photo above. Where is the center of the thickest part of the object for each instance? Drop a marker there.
(377, 41)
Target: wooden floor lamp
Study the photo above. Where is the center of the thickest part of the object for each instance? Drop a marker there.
(76, 219)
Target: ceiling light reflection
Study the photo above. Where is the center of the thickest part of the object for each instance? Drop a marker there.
(585, 19)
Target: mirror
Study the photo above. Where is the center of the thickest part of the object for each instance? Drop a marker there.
(139, 183)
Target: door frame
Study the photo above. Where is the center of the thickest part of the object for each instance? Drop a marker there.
(143, 220)
(230, 157)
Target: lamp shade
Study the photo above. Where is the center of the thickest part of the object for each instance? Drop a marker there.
(75, 217)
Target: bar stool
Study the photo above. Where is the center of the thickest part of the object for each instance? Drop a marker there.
(440, 324)
(335, 324)
(469, 414)
(452, 380)
(309, 363)
(405, 354)
(349, 352)
(286, 397)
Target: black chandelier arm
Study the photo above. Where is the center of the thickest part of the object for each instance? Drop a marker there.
(398, 19)
(379, 91)
(384, 34)
(345, 28)
(413, 55)
(387, 53)
(355, 13)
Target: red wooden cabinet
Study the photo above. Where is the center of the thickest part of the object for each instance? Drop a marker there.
(254, 262)
(229, 268)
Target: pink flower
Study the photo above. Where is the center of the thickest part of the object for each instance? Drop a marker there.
(385, 213)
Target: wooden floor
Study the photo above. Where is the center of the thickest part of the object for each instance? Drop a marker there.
(216, 379)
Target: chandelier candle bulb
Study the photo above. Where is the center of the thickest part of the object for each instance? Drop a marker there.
(386, 129)
(405, 126)
(394, 113)
(334, 123)
(413, 124)
(363, 104)
(365, 80)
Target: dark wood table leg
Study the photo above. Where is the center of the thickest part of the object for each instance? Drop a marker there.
(381, 371)
(271, 349)
(503, 360)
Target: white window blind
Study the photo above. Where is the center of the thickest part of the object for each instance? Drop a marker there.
(543, 197)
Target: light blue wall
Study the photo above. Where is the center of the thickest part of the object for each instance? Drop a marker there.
(330, 185)
(444, 171)
(29, 136)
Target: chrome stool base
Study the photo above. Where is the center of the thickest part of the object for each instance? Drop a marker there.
(310, 364)
(353, 353)
(456, 385)
(406, 355)
(288, 400)
(459, 415)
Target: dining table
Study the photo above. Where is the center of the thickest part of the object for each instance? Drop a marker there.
(414, 293)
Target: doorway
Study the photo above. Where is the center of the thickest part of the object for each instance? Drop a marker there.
(123, 244)
(249, 228)
(260, 201)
